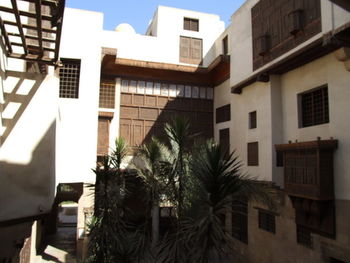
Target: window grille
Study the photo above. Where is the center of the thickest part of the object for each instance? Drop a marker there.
(304, 236)
(69, 79)
(314, 107)
(107, 95)
(267, 221)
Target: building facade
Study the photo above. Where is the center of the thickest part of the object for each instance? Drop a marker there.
(272, 86)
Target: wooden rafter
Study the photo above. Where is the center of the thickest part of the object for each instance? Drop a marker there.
(41, 51)
(23, 13)
(59, 23)
(5, 35)
(19, 24)
(44, 39)
(47, 30)
(39, 26)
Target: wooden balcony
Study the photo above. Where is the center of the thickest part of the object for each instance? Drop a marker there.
(308, 169)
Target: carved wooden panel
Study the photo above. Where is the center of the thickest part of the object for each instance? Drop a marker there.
(103, 136)
(144, 115)
(280, 25)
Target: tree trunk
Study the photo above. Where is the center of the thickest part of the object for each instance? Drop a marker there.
(155, 224)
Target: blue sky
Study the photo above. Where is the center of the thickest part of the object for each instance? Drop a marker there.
(139, 12)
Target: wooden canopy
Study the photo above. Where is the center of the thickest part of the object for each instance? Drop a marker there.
(36, 30)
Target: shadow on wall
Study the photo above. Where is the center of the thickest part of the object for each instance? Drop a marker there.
(26, 193)
(20, 88)
(144, 116)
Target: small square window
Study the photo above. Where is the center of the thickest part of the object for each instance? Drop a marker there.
(304, 236)
(252, 120)
(191, 24)
(253, 153)
(223, 114)
(267, 221)
(314, 107)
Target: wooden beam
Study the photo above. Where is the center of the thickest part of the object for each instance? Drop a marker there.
(33, 58)
(19, 25)
(23, 13)
(39, 26)
(51, 40)
(4, 33)
(59, 23)
(48, 30)
(33, 47)
(44, 2)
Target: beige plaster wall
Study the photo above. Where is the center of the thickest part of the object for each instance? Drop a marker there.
(282, 246)
(326, 70)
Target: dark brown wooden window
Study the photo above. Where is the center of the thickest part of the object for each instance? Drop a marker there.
(240, 221)
(304, 237)
(107, 95)
(69, 78)
(190, 50)
(267, 221)
(225, 45)
(252, 120)
(191, 24)
(314, 107)
(224, 135)
(103, 136)
(223, 113)
(279, 158)
(253, 154)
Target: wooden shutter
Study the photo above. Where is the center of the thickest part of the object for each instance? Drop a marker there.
(103, 136)
(253, 154)
(196, 50)
(224, 141)
(185, 43)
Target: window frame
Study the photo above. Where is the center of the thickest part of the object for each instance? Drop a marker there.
(301, 97)
(193, 24)
(267, 221)
(70, 92)
(253, 120)
(250, 160)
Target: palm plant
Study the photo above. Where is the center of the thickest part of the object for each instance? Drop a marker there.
(218, 181)
(151, 167)
(108, 230)
(178, 133)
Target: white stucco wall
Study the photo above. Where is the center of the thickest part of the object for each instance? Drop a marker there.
(167, 25)
(77, 118)
(27, 153)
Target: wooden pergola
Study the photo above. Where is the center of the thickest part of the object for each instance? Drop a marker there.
(39, 37)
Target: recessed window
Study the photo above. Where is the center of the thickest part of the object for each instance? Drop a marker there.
(267, 221)
(69, 78)
(107, 95)
(224, 139)
(225, 45)
(304, 236)
(240, 221)
(223, 113)
(191, 24)
(253, 154)
(190, 50)
(314, 107)
(252, 120)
